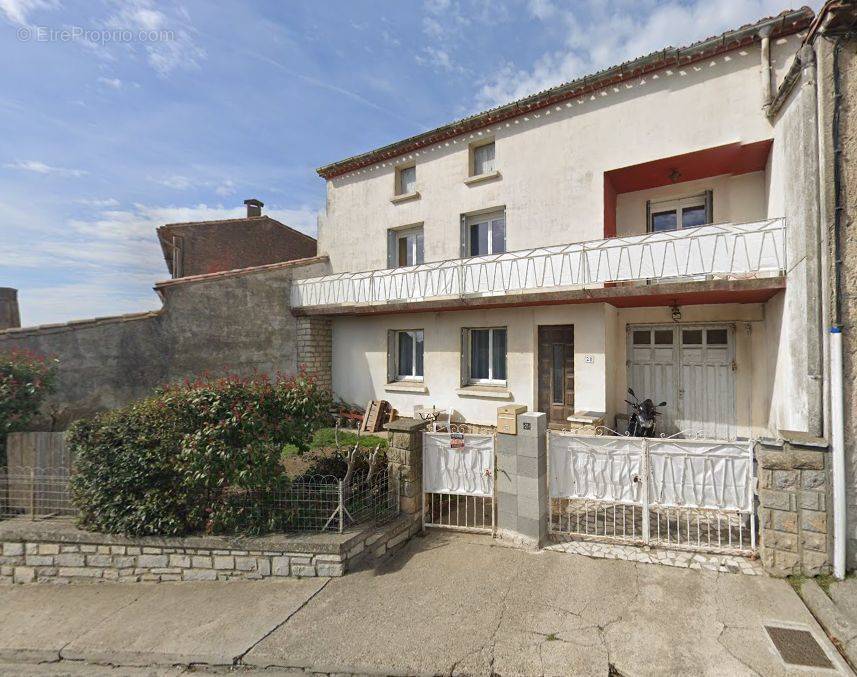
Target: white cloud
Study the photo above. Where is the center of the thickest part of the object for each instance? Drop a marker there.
(98, 202)
(175, 181)
(38, 167)
(438, 59)
(18, 11)
(112, 83)
(226, 188)
(622, 34)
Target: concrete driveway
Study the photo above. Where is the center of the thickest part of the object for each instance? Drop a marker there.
(447, 604)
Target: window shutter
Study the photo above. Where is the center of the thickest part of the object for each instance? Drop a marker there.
(463, 236)
(392, 250)
(648, 216)
(464, 357)
(391, 356)
(709, 206)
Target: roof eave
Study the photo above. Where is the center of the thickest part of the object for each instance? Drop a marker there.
(786, 23)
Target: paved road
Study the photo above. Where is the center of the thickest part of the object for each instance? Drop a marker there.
(447, 604)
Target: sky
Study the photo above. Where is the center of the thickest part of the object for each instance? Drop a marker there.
(117, 116)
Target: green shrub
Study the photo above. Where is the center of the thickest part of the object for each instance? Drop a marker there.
(25, 379)
(201, 456)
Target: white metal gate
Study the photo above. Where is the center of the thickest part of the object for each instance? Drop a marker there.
(688, 494)
(458, 481)
(692, 368)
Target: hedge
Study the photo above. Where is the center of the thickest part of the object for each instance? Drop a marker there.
(202, 456)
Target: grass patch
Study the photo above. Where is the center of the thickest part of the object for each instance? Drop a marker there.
(796, 581)
(824, 582)
(552, 637)
(326, 437)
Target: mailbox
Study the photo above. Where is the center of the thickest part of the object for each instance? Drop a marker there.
(507, 418)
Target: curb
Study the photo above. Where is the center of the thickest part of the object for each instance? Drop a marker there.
(841, 630)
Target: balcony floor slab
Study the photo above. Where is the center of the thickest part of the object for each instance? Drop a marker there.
(686, 292)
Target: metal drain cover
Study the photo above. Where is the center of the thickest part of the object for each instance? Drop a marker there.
(798, 647)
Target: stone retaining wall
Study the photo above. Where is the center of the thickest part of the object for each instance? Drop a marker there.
(793, 503)
(42, 552)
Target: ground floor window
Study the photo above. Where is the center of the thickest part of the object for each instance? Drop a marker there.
(485, 355)
(407, 353)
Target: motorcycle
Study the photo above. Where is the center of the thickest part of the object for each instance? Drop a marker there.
(643, 416)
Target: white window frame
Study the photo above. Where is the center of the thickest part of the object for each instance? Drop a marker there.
(404, 234)
(400, 186)
(474, 149)
(418, 378)
(490, 380)
(471, 220)
(677, 205)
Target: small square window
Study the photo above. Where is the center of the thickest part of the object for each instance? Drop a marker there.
(663, 337)
(485, 354)
(408, 355)
(642, 337)
(483, 159)
(691, 337)
(406, 180)
(716, 337)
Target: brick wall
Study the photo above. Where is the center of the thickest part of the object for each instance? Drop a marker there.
(314, 345)
(793, 505)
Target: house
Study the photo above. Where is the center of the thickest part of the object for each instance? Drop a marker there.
(651, 226)
(203, 247)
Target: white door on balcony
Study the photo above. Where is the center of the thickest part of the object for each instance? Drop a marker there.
(691, 367)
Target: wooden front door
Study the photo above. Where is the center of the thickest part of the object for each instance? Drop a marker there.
(556, 372)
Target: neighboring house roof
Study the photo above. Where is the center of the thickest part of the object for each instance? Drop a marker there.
(222, 274)
(167, 231)
(785, 23)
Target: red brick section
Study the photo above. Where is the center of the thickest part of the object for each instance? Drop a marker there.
(213, 246)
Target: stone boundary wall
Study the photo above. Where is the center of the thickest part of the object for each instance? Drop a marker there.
(57, 557)
(793, 491)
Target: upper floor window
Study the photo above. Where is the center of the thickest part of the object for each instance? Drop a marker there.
(484, 234)
(686, 212)
(485, 355)
(483, 159)
(405, 247)
(406, 180)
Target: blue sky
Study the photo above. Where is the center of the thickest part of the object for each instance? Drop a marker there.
(144, 112)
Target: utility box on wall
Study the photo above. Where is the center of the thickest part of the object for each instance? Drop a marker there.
(507, 418)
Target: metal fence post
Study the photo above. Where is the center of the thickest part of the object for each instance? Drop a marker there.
(341, 509)
(32, 494)
(646, 469)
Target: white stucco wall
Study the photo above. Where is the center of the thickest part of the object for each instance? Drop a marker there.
(360, 357)
(552, 162)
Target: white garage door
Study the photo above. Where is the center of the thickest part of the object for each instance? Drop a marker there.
(692, 368)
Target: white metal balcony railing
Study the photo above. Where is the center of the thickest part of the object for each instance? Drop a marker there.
(720, 251)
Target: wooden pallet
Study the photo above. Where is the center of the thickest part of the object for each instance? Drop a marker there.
(375, 417)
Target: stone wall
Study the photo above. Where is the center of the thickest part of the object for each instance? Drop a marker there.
(315, 348)
(44, 553)
(232, 322)
(405, 461)
(794, 499)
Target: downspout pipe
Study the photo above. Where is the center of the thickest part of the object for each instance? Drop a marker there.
(765, 67)
(837, 394)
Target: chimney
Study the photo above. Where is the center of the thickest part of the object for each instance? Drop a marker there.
(10, 318)
(254, 207)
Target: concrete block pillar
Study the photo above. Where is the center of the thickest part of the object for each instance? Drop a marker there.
(521, 476)
(315, 349)
(405, 461)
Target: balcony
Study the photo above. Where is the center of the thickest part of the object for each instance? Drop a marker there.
(715, 253)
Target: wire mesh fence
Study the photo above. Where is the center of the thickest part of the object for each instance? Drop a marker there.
(308, 503)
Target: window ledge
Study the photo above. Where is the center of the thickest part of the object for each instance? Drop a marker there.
(405, 387)
(405, 197)
(480, 178)
(487, 392)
